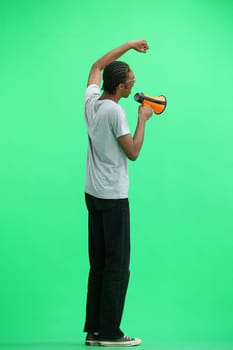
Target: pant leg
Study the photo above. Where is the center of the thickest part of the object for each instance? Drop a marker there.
(96, 260)
(116, 270)
(109, 253)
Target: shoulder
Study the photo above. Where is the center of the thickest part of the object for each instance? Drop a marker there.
(114, 110)
(119, 111)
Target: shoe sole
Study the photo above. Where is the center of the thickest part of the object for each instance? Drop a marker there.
(134, 342)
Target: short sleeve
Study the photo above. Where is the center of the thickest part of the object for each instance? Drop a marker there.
(92, 91)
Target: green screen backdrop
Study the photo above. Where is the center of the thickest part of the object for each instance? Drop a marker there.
(181, 186)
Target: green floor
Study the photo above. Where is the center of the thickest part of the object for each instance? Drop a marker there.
(79, 345)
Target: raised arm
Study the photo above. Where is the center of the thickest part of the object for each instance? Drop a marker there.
(95, 72)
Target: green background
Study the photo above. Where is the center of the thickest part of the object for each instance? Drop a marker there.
(181, 191)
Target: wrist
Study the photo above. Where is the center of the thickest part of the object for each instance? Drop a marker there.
(142, 119)
(129, 45)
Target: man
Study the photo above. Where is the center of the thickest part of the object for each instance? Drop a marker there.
(110, 145)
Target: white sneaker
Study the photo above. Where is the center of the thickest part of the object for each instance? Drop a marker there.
(123, 341)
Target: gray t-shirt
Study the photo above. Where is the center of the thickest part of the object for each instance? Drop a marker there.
(107, 165)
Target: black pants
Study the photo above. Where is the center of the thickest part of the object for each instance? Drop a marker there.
(109, 255)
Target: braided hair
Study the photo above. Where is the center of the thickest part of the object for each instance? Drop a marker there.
(114, 74)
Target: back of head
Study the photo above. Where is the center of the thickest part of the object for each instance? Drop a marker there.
(114, 74)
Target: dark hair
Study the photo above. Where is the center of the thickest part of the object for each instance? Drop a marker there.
(114, 74)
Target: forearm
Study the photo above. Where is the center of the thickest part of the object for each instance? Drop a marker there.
(138, 137)
(112, 56)
(143, 115)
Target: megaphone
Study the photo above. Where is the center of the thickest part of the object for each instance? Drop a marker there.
(157, 103)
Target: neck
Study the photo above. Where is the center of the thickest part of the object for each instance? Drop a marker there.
(107, 96)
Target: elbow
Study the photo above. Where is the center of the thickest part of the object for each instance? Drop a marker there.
(133, 156)
(132, 159)
(97, 65)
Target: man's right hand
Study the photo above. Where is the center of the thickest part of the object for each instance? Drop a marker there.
(145, 112)
(139, 45)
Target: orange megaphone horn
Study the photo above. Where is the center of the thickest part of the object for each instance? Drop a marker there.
(157, 103)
